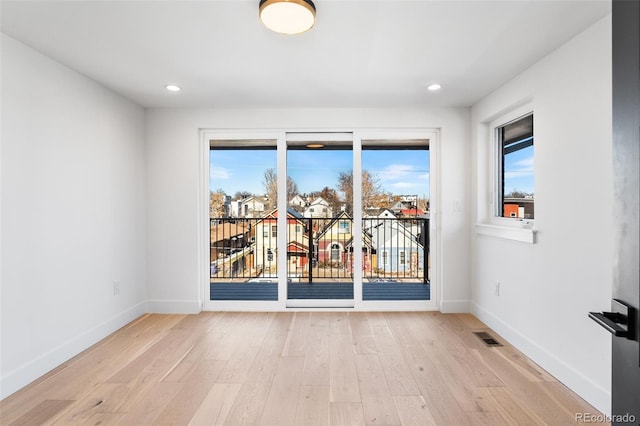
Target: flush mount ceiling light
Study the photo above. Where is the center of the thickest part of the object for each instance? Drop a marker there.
(172, 88)
(434, 87)
(288, 16)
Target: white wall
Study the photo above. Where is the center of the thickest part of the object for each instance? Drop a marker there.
(172, 179)
(73, 215)
(547, 288)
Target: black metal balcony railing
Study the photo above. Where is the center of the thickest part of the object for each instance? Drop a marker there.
(319, 250)
(242, 249)
(399, 250)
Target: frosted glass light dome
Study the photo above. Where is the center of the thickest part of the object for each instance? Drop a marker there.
(288, 16)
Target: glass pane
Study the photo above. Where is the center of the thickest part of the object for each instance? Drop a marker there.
(243, 221)
(518, 183)
(319, 239)
(395, 201)
(516, 142)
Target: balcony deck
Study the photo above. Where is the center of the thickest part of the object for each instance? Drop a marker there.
(320, 290)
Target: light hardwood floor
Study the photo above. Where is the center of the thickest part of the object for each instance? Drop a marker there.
(280, 369)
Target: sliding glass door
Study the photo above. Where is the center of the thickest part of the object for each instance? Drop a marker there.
(320, 216)
(243, 227)
(318, 220)
(396, 219)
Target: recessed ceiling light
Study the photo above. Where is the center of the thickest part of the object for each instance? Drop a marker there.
(172, 88)
(434, 87)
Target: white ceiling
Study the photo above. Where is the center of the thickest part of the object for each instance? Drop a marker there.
(361, 53)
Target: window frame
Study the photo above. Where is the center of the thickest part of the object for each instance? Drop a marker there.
(385, 257)
(489, 223)
(281, 138)
(497, 167)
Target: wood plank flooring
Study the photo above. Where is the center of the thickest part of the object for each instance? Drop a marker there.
(302, 368)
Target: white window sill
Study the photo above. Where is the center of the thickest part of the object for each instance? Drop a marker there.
(515, 233)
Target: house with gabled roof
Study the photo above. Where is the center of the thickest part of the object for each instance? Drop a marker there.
(298, 202)
(266, 234)
(252, 206)
(378, 213)
(334, 244)
(396, 246)
(319, 207)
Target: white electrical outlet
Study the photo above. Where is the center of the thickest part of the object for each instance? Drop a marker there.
(116, 288)
(496, 290)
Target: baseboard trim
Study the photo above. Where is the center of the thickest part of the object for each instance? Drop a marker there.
(455, 306)
(20, 377)
(594, 394)
(174, 306)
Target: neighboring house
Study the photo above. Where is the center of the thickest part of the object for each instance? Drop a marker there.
(412, 212)
(250, 207)
(299, 203)
(367, 253)
(398, 206)
(373, 221)
(331, 243)
(519, 207)
(318, 208)
(396, 246)
(266, 234)
(334, 244)
(234, 208)
(227, 205)
(378, 213)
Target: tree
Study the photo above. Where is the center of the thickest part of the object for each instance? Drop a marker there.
(270, 182)
(517, 194)
(292, 188)
(330, 196)
(239, 195)
(379, 201)
(345, 185)
(423, 203)
(371, 188)
(216, 203)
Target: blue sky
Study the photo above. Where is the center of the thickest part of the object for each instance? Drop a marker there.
(518, 171)
(399, 171)
(234, 171)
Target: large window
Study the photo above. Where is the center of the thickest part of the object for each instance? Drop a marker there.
(515, 172)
